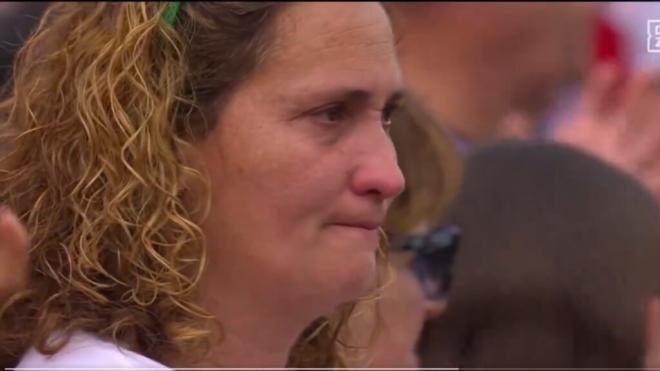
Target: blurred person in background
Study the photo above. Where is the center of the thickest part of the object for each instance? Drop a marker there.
(506, 63)
(615, 114)
(618, 120)
(457, 60)
(432, 170)
(488, 71)
(471, 64)
(500, 104)
(556, 267)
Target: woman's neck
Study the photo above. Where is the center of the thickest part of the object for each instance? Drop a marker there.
(253, 332)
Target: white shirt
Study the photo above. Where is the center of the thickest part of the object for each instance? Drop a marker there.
(85, 350)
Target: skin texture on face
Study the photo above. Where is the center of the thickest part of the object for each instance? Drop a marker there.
(302, 168)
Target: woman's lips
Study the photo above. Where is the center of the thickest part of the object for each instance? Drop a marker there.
(370, 226)
(367, 231)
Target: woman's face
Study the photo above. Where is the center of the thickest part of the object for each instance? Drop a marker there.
(301, 166)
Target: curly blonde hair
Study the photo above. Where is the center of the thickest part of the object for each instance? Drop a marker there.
(104, 97)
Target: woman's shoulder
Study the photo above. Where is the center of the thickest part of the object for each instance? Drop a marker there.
(88, 351)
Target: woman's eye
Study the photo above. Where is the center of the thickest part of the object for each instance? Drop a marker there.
(332, 114)
(387, 114)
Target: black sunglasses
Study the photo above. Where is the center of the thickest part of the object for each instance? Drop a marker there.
(434, 257)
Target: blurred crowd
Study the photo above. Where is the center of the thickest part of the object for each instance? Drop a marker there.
(528, 231)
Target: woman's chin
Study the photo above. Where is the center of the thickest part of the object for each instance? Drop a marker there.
(358, 279)
(350, 282)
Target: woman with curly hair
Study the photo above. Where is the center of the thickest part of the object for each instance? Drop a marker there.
(203, 183)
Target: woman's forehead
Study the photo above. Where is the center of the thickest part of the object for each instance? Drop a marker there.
(326, 46)
(318, 27)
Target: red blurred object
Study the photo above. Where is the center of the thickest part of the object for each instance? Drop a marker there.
(607, 44)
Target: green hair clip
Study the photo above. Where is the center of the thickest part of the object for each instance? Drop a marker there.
(169, 15)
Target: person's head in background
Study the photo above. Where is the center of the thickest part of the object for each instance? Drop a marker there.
(470, 64)
(558, 258)
(432, 170)
(230, 168)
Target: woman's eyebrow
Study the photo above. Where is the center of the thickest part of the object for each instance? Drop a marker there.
(350, 93)
(364, 95)
(396, 96)
(305, 98)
